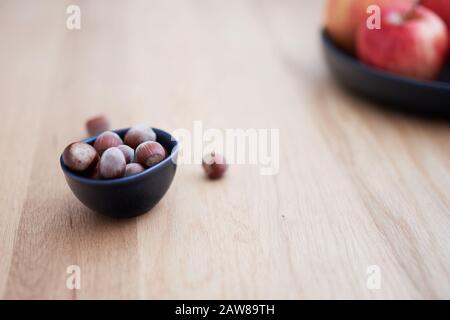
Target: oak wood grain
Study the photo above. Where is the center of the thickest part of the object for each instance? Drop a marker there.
(358, 185)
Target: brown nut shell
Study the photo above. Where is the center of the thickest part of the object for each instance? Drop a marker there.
(150, 153)
(139, 134)
(214, 165)
(80, 156)
(128, 152)
(112, 164)
(106, 140)
(95, 173)
(133, 168)
(97, 125)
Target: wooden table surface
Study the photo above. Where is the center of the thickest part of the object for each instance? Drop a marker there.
(357, 186)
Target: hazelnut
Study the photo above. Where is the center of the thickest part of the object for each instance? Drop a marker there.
(133, 168)
(107, 140)
(214, 165)
(97, 125)
(112, 163)
(128, 152)
(80, 156)
(139, 134)
(95, 172)
(150, 153)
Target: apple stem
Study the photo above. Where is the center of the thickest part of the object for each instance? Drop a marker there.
(413, 8)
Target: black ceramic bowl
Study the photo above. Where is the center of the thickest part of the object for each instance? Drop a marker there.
(128, 196)
(406, 94)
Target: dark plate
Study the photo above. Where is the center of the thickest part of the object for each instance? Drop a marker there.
(128, 196)
(406, 94)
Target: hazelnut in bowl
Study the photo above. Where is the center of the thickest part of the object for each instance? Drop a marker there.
(103, 174)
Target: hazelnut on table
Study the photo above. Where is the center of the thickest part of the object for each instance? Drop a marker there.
(214, 165)
(97, 125)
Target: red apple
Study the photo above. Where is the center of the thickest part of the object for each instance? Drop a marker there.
(343, 17)
(410, 42)
(440, 7)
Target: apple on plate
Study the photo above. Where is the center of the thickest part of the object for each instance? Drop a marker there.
(440, 7)
(412, 42)
(343, 17)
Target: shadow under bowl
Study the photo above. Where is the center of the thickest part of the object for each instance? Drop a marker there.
(128, 196)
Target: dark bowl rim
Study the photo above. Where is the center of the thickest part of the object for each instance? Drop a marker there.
(330, 44)
(122, 180)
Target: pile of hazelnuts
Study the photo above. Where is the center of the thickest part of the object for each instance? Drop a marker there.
(110, 157)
